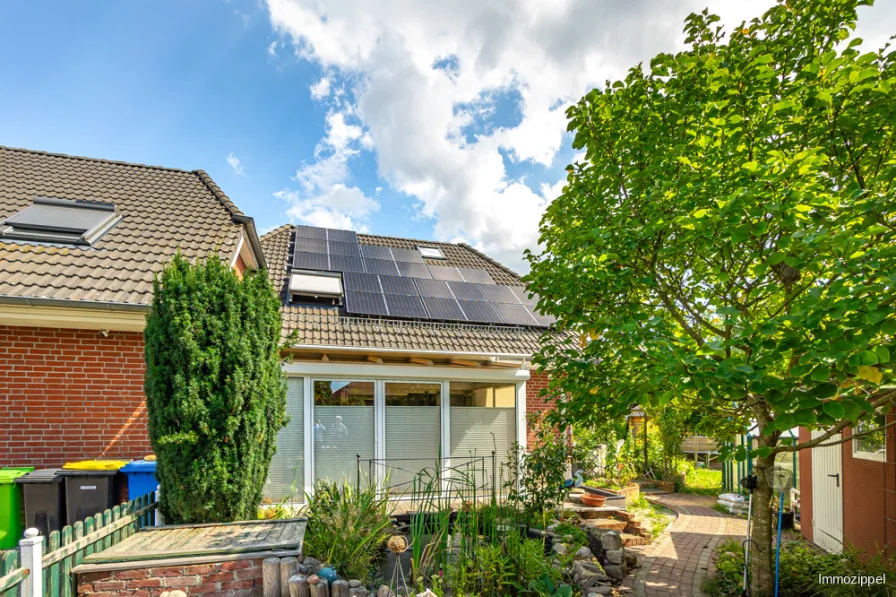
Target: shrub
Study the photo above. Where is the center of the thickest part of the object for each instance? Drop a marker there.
(215, 391)
(801, 566)
(539, 485)
(347, 528)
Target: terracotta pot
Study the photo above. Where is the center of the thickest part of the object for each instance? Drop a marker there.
(593, 501)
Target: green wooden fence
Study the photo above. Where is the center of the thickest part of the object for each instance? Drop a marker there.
(64, 550)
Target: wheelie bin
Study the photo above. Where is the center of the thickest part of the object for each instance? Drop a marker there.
(141, 475)
(11, 506)
(91, 486)
(44, 497)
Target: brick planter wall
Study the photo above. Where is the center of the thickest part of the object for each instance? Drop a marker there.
(70, 395)
(235, 578)
(535, 404)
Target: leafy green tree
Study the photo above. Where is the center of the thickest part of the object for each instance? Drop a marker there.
(215, 391)
(728, 237)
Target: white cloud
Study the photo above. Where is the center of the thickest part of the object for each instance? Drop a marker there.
(321, 89)
(272, 49)
(379, 62)
(235, 164)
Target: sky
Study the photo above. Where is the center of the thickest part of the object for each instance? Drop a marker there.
(433, 120)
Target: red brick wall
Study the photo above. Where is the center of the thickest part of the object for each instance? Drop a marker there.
(535, 404)
(70, 395)
(236, 578)
(805, 480)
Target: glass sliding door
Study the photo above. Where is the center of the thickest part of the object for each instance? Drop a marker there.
(483, 419)
(286, 475)
(413, 434)
(343, 428)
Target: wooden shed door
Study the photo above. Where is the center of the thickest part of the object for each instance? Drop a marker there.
(827, 495)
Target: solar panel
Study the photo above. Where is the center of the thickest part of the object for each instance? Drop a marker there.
(382, 267)
(375, 252)
(310, 261)
(475, 275)
(361, 282)
(413, 270)
(466, 291)
(311, 232)
(515, 314)
(344, 249)
(439, 308)
(479, 311)
(409, 255)
(398, 285)
(433, 289)
(543, 320)
(365, 303)
(499, 294)
(405, 306)
(311, 245)
(338, 263)
(523, 294)
(342, 236)
(445, 273)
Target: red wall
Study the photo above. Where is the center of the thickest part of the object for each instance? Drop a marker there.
(234, 578)
(534, 403)
(805, 481)
(70, 395)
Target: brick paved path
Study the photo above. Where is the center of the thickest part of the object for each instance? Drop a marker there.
(675, 564)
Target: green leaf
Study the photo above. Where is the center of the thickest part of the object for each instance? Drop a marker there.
(869, 357)
(821, 373)
(785, 421)
(871, 374)
(883, 354)
(700, 213)
(776, 258)
(834, 409)
(751, 166)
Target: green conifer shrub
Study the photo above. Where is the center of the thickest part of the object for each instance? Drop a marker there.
(215, 390)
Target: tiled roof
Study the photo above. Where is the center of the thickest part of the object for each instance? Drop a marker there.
(163, 210)
(322, 326)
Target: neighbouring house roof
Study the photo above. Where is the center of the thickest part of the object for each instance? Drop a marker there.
(162, 210)
(332, 327)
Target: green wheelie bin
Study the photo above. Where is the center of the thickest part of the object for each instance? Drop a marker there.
(11, 506)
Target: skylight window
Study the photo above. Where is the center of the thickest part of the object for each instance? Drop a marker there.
(431, 253)
(55, 220)
(314, 285)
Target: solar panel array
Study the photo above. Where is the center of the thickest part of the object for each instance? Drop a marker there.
(393, 282)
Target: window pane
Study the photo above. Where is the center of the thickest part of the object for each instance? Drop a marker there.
(343, 428)
(413, 432)
(483, 418)
(286, 475)
(874, 445)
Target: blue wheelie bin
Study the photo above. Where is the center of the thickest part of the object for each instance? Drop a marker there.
(141, 476)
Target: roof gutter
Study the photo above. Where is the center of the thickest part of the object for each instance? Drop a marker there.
(249, 223)
(72, 304)
(403, 351)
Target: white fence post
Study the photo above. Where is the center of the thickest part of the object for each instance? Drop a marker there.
(158, 513)
(31, 551)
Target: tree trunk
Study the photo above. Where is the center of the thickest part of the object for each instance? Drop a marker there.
(762, 553)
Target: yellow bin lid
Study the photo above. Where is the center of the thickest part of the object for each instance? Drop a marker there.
(95, 465)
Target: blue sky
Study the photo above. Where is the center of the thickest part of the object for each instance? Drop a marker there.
(406, 119)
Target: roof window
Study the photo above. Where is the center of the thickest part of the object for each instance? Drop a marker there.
(305, 285)
(431, 253)
(55, 220)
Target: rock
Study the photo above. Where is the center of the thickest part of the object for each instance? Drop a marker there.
(600, 590)
(575, 498)
(173, 594)
(616, 571)
(615, 556)
(353, 584)
(313, 579)
(313, 564)
(383, 591)
(584, 554)
(611, 540)
(631, 559)
(560, 549)
(587, 574)
(303, 570)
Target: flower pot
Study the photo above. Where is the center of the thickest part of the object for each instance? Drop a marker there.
(593, 501)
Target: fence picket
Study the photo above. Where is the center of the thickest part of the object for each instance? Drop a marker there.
(79, 534)
(89, 527)
(107, 520)
(53, 569)
(66, 579)
(9, 565)
(116, 515)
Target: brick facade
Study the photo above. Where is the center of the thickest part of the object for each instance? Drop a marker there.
(235, 578)
(535, 404)
(70, 395)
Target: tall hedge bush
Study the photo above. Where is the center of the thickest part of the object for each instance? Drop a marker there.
(215, 391)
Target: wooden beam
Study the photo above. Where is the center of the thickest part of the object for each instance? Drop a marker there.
(421, 361)
(466, 363)
(374, 359)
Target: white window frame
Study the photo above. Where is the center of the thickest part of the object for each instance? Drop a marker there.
(382, 374)
(879, 456)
